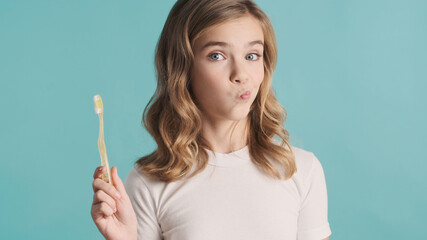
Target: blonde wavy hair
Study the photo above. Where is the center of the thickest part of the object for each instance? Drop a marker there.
(172, 116)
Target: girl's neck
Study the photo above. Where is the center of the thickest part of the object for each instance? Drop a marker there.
(225, 136)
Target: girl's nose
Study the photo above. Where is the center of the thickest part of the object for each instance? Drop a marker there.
(238, 73)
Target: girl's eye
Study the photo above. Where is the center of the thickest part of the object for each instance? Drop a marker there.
(216, 56)
(252, 57)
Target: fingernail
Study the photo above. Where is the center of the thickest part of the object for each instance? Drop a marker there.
(118, 196)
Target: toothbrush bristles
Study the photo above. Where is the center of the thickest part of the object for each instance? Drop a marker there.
(98, 104)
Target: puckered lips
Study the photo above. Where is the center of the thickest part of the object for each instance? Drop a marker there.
(245, 95)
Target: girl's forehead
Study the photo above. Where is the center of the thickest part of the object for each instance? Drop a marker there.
(247, 22)
(243, 29)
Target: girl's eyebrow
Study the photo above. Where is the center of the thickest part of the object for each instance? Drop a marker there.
(224, 44)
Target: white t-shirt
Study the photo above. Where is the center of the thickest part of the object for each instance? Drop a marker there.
(233, 199)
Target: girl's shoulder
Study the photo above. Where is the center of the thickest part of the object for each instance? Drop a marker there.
(309, 168)
(137, 182)
(306, 162)
(303, 158)
(137, 176)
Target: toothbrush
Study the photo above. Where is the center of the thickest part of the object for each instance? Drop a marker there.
(99, 109)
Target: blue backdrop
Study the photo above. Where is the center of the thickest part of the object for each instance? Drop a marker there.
(352, 76)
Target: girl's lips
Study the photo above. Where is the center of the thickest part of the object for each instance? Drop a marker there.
(246, 95)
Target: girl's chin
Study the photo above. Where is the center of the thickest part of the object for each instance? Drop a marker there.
(236, 116)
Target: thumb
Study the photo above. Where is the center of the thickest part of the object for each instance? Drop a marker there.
(117, 182)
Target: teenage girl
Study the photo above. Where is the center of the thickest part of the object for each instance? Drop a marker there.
(223, 167)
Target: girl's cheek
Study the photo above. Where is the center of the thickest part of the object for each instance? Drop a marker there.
(259, 76)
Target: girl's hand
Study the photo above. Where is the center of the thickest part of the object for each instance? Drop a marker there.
(113, 215)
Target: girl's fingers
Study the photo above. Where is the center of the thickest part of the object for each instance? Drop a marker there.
(101, 196)
(118, 182)
(101, 209)
(99, 184)
(98, 172)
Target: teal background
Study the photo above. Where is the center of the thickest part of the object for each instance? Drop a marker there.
(352, 76)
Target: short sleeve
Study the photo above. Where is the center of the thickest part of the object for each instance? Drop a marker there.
(144, 207)
(313, 216)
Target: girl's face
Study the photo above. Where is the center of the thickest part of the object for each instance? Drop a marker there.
(228, 68)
